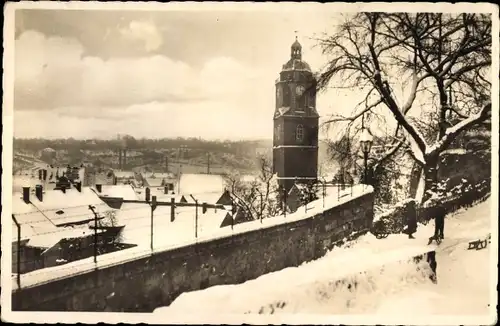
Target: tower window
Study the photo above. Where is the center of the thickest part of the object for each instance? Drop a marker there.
(299, 133)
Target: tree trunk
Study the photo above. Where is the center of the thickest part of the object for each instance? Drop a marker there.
(430, 176)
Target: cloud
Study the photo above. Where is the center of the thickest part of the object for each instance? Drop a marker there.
(69, 93)
(145, 32)
(63, 90)
(52, 73)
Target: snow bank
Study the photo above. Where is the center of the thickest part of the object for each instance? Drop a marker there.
(317, 293)
(370, 278)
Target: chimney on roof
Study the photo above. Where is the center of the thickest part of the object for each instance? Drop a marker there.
(63, 188)
(98, 187)
(165, 190)
(148, 194)
(26, 194)
(39, 192)
(78, 186)
(40, 174)
(44, 174)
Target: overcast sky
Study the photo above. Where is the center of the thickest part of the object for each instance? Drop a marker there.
(208, 74)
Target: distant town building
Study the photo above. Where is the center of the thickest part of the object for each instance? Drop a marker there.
(295, 141)
(156, 179)
(124, 177)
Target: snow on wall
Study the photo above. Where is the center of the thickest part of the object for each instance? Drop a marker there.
(373, 284)
(319, 289)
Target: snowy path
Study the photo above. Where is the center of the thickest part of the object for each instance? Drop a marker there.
(396, 289)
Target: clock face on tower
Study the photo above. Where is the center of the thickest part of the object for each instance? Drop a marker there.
(299, 90)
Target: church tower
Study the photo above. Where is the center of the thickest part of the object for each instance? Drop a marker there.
(295, 141)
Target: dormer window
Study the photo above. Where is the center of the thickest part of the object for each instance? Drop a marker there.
(299, 133)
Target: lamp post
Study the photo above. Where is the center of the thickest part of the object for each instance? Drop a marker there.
(323, 183)
(366, 141)
(283, 188)
(261, 203)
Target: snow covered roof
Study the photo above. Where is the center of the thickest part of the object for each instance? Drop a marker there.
(56, 199)
(20, 181)
(201, 184)
(283, 110)
(58, 208)
(161, 175)
(209, 197)
(137, 221)
(27, 230)
(153, 182)
(118, 191)
(48, 240)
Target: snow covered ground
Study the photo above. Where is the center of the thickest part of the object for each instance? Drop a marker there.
(379, 281)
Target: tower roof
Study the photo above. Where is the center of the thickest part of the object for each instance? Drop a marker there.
(296, 44)
(296, 62)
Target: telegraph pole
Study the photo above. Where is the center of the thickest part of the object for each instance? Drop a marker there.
(196, 220)
(208, 162)
(284, 201)
(153, 207)
(92, 208)
(18, 276)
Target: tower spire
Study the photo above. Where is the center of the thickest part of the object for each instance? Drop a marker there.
(296, 52)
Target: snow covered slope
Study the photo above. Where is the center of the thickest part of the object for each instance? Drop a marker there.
(372, 277)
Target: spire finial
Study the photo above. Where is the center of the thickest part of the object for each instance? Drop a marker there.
(296, 35)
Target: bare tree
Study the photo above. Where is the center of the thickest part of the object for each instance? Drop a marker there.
(242, 193)
(258, 195)
(432, 55)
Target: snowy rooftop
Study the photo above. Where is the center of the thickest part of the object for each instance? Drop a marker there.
(120, 191)
(154, 182)
(159, 175)
(49, 239)
(137, 221)
(56, 208)
(201, 183)
(20, 181)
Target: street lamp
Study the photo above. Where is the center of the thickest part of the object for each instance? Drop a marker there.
(366, 141)
(261, 203)
(323, 183)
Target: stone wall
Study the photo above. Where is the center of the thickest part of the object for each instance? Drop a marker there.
(144, 284)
